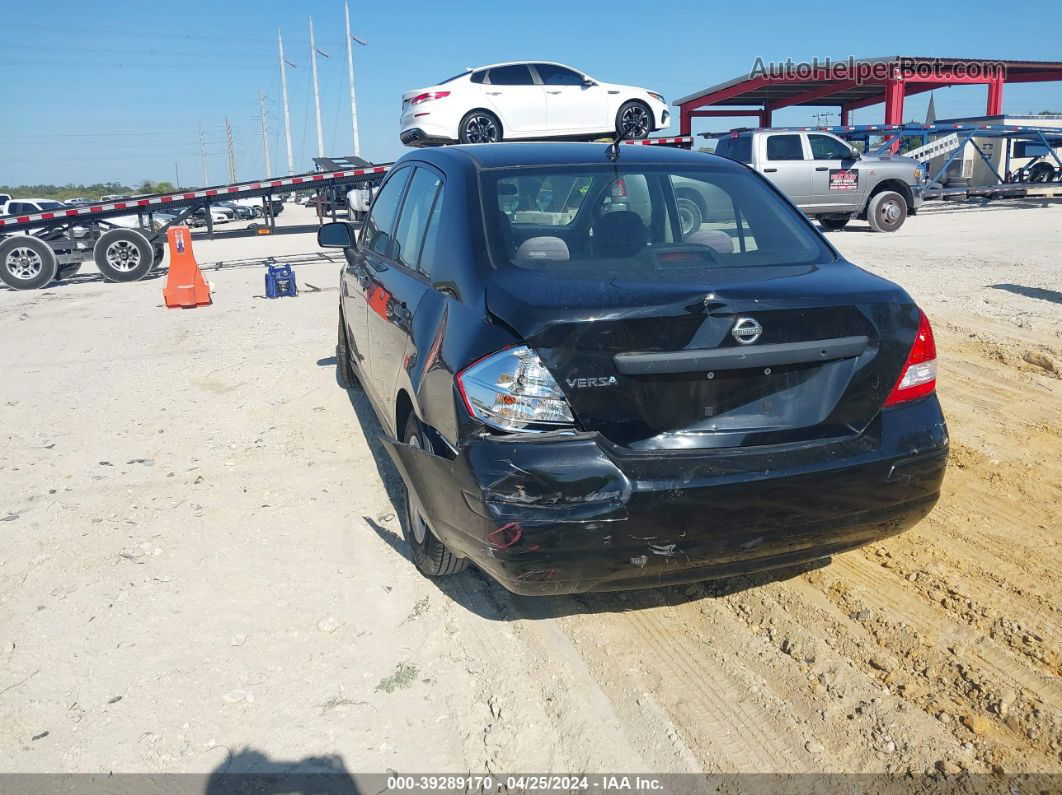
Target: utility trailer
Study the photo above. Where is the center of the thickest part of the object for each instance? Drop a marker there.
(36, 249)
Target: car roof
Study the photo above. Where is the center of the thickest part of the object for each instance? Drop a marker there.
(515, 63)
(503, 155)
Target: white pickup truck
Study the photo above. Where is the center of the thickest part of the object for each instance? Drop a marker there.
(827, 178)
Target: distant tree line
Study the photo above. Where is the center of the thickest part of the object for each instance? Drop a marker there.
(65, 192)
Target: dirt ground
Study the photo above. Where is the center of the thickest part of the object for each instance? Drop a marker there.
(201, 566)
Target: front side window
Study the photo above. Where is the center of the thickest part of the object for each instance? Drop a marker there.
(516, 74)
(825, 147)
(784, 147)
(553, 75)
(642, 218)
(379, 228)
(413, 222)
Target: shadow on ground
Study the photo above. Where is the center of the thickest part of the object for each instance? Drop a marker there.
(1054, 296)
(251, 771)
(480, 594)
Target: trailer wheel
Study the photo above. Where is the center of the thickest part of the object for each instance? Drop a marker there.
(27, 263)
(160, 253)
(886, 211)
(123, 255)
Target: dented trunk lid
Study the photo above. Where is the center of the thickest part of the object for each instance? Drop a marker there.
(651, 362)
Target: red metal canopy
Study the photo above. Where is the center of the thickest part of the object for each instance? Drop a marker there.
(856, 83)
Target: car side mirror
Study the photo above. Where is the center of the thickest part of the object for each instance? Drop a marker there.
(854, 155)
(339, 234)
(588, 83)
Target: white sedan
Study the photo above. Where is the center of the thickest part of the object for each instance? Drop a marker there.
(527, 100)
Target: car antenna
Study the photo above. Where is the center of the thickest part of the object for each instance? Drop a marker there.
(613, 149)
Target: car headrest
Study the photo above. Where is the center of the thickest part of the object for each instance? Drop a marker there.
(543, 248)
(712, 238)
(619, 234)
(505, 231)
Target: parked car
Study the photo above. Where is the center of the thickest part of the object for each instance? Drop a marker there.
(536, 99)
(4, 199)
(113, 197)
(360, 199)
(239, 211)
(78, 202)
(217, 216)
(586, 399)
(828, 179)
(31, 206)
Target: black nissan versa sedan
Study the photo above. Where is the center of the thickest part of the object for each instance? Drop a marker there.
(587, 386)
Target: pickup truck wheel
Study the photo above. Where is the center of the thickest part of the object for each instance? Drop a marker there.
(886, 211)
(123, 255)
(27, 263)
(429, 553)
(690, 217)
(835, 222)
(344, 370)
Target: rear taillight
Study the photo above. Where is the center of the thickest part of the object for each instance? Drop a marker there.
(919, 376)
(428, 96)
(513, 391)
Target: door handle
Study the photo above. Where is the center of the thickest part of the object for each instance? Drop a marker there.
(822, 168)
(552, 92)
(769, 170)
(494, 93)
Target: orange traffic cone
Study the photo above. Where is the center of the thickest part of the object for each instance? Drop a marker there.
(185, 287)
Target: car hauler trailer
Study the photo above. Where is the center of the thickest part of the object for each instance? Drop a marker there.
(36, 249)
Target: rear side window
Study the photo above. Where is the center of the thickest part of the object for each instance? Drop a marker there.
(413, 222)
(514, 75)
(784, 147)
(477, 77)
(379, 228)
(739, 148)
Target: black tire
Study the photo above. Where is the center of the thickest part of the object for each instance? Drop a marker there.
(430, 555)
(1041, 172)
(634, 120)
(27, 263)
(344, 370)
(479, 127)
(123, 255)
(690, 215)
(886, 211)
(160, 255)
(69, 271)
(834, 223)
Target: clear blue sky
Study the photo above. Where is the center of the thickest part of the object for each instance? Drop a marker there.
(114, 89)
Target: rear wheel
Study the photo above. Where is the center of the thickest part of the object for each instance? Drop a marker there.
(634, 120)
(27, 263)
(886, 211)
(344, 371)
(479, 127)
(834, 222)
(69, 271)
(429, 553)
(1041, 172)
(123, 255)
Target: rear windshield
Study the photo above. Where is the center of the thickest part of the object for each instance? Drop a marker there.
(641, 217)
(737, 148)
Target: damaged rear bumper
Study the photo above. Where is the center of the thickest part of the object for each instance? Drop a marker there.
(563, 515)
